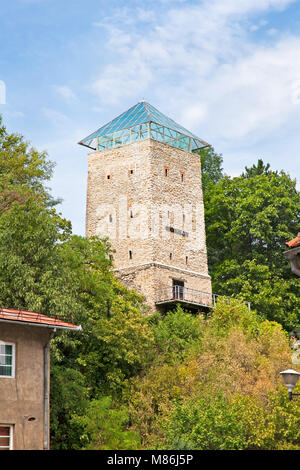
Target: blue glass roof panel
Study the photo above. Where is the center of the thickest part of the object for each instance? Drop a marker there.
(141, 113)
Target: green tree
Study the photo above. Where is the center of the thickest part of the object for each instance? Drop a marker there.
(69, 395)
(285, 417)
(217, 423)
(211, 164)
(248, 220)
(119, 347)
(45, 268)
(115, 344)
(22, 167)
(238, 422)
(117, 339)
(210, 391)
(31, 275)
(175, 334)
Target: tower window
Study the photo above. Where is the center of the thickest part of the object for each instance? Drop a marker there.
(131, 171)
(108, 177)
(131, 214)
(110, 218)
(182, 176)
(130, 254)
(171, 256)
(178, 289)
(186, 260)
(166, 171)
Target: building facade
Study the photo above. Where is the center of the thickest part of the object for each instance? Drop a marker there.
(24, 378)
(144, 193)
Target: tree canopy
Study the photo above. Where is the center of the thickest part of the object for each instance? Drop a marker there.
(177, 381)
(248, 220)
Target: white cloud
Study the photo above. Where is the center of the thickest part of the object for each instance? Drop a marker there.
(65, 92)
(233, 7)
(255, 94)
(56, 118)
(272, 31)
(116, 84)
(259, 25)
(14, 114)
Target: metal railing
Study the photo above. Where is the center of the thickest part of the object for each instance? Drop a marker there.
(187, 295)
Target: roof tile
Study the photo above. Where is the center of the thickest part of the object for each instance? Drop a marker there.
(38, 319)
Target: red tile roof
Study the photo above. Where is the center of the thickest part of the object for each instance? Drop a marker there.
(294, 242)
(35, 319)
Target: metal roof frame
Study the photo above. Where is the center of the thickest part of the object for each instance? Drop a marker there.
(141, 114)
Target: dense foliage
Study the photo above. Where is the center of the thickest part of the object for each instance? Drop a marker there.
(248, 220)
(179, 381)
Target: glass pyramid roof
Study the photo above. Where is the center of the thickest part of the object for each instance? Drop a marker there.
(140, 122)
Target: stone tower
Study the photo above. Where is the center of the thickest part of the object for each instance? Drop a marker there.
(144, 193)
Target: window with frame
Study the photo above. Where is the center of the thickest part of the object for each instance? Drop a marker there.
(7, 360)
(6, 437)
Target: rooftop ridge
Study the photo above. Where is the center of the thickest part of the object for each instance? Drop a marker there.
(34, 318)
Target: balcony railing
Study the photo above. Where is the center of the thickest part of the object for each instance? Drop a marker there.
(186, 295)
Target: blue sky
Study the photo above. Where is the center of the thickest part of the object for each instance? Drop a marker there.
(229, 71)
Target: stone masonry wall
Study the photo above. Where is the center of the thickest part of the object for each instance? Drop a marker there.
(137, 195)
